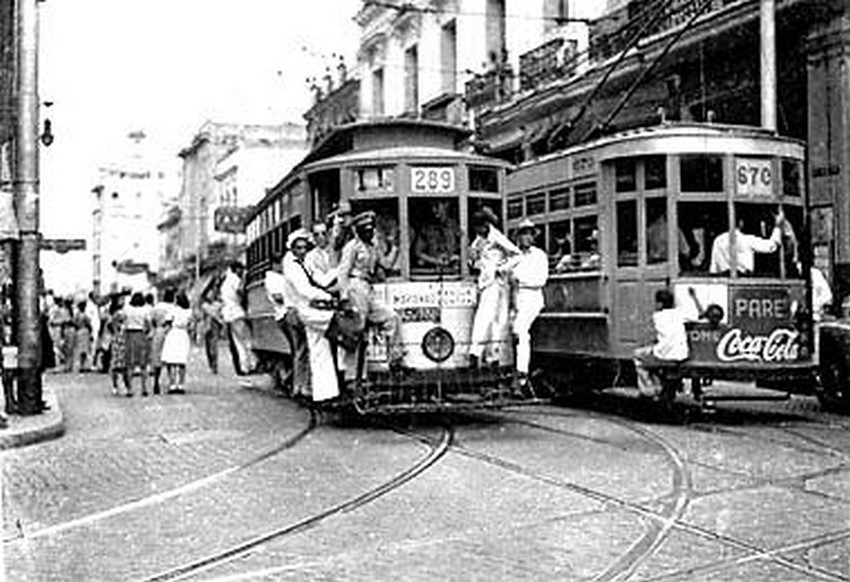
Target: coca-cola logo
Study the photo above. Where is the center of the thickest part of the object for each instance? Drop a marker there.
(781, 345)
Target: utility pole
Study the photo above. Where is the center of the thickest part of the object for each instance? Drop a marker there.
(767, 10)
(27, 275)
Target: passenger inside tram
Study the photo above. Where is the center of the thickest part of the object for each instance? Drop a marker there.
(585, 245)
(765, 244)
(435, 236)
(386, 233)
(699, 224)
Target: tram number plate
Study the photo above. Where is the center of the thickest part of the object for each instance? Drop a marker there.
(419, 314)
(753, 177)
(431, 179)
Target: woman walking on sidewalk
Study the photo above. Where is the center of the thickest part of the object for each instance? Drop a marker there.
(136, 329)
(175, 348)
(116, 347)
(160, 321)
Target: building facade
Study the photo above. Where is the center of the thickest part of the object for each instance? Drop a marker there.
(129, 199)
(227, 166)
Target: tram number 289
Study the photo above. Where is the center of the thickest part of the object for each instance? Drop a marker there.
(432, 179)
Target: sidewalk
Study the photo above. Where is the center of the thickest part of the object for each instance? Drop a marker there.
(26, 430)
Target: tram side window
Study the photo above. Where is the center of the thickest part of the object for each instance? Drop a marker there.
(625, 172)
(656, 231)
(386, 231)
(435, 236)
(560, 246)
(701, 173)
(559, 199)
(699, 224)
(586, 238)
(515, 208)
(792, 177)
(627, 242)
(536, 204)
(654, 172)
(483, 179)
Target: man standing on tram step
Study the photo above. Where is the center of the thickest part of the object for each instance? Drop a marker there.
(279, 294)
(528, 272)
(319, 259)
(313, 306)
(489, 251)
(671, 343)
(233, 313)
(358, 268)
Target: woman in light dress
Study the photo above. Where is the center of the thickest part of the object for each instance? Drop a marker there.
(175, 348)
(160, 320)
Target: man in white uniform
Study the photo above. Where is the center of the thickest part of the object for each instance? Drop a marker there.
(528, 272)
(319, 259)
(312, 305)
(744, 250)
(286, 317)
(489, 251)
(235, 318)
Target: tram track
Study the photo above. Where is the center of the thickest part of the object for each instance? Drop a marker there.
(165, 496)
(436, 451)
(669, 519)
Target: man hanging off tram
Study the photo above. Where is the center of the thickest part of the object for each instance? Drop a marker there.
(528, 272)
(488, 252)
(359, 266)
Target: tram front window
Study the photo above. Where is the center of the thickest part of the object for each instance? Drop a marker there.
(386, 231)
(772, 248)
(434, 236)
(699, 225)
(656, 230)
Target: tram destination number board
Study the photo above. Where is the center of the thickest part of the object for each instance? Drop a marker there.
(432, 180)
(753, 177)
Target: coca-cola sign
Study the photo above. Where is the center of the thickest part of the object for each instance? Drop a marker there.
(737, 345)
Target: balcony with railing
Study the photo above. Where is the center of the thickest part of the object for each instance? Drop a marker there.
(555, 59)
(491, 87)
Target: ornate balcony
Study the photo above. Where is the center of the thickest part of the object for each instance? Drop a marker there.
(552, 60)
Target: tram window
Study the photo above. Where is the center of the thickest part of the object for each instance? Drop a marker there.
(294, 223)
(476, 204)
(559, 199)
(367, 179)
(586, 238)
(625, 172)
(761, 220)
(627, 243)
(560, 246)
(585, 194)
(435, 237)
(515, 208)
(701, 173)
(483, 179)
(536, 204)
(699, 224)
(386, 231)
(792, 178)
(654, 172)
(656, 231)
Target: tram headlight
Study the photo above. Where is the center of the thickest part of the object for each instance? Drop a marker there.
(438, 345)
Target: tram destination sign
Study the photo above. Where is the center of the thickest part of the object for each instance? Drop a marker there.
(753, 177)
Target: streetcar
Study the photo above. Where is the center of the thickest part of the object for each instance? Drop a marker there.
(424, 188)
(631, 213)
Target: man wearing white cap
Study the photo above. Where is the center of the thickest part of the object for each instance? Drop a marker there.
(306, 297)
(528, 272)
(489, 251)
(357, 270)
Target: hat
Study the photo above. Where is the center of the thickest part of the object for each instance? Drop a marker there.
(527, 224)
(319, 227)
(344, 207)
(296, 235)
(485, 214)
(364, 218)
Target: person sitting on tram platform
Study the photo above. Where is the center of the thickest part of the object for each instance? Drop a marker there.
(488, 252)
(359, 267)
(290, 325)
(746, 246)
(528, 272)
(671, 343)
(436, 244)
(312, 304)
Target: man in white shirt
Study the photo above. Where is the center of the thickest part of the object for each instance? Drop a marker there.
(528, 271)
(277, 291)
(311, 302)
(671, 343)
(235, 318)
(821, 293)
(488, 252)
(319, 259)
(745, 247)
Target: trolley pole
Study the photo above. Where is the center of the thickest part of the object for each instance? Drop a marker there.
(26, 202)
(768, 64)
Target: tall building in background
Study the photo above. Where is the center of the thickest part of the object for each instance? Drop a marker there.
(129, 199)
(226, 169)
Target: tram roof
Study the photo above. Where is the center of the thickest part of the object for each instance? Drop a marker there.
(672, 130)
(413, 154)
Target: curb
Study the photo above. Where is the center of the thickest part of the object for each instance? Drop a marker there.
(28, 430)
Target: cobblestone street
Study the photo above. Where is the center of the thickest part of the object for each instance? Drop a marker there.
(226, 483)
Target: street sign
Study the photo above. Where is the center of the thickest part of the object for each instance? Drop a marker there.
(63, 245)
